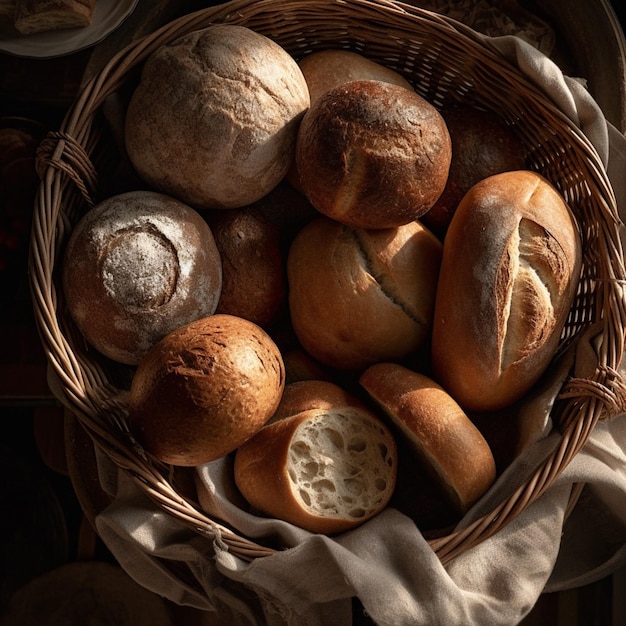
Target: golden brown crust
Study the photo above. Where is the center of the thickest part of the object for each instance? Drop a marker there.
(205, 389)
(510, 270)
(439, 431)
(372, 155)
(325, 69)
(360, 296)
(305, 454)
(313, 394)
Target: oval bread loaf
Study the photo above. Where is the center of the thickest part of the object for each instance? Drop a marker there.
(510, 270)
(437, 429)
(326, 471)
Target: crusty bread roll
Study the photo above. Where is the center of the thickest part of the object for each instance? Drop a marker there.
(371, 154)
(325, 470)
(137, 266)
(325, 69)
(438, 430)
(204, 389)
(254, 279)
(360, 296)
(214, 118)
(304, 395)
(510, 270)
(482, 145)
(37, 16)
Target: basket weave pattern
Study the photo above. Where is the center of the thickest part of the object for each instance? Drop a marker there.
(446, 62)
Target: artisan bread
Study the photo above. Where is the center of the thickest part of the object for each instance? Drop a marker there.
(510, 270)
(325, 470)
(204, 389)
(438, 430)
(360, 296)
(254, 279)
(37, 16)
(371, 154)
(482, 145)
(325, 69)
(214, 118)
(304, 395)
(137, 266)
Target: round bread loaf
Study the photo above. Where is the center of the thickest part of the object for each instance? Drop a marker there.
(482, 145)
(360, 296)
(371, 154)
(214, 118)
(254, 281)
(204, 389)
(137, 266)
(510, 270)
(325, 69)
(325, 470)
(437, 429)
(304, 395)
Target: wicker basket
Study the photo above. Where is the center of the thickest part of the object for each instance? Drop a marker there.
(446, 62)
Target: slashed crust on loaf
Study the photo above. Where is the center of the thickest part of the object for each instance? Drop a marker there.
(36, 16)
(510, 271)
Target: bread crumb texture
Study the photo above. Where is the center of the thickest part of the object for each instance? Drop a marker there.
(341, 464)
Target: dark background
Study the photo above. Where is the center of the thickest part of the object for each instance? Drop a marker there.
(42, 525)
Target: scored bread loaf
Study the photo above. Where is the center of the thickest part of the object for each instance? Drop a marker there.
(359, 296)
(324, 470)
(303, 395)
(510, 270)
(36, 16)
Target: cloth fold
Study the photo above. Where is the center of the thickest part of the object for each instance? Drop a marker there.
(387, 563)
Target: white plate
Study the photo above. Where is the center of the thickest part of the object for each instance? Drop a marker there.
(108, 15)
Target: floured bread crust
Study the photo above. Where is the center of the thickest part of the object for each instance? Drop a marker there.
(509, 274)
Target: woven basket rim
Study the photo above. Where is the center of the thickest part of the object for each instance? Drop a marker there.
(69, 177)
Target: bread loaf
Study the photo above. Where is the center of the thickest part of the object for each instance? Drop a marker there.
(510, 270)
(326, 471)
(437, 429)
(372, 155)
(213, 120)
(482, 145)
(137, 266)
(254, 278)
(37, 16)
(360, 296)
(204, 389)
(325, 69)
(304, 395)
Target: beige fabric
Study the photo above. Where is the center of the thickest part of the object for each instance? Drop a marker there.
(386, 562)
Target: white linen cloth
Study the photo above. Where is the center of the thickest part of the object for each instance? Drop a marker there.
(386, 562)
